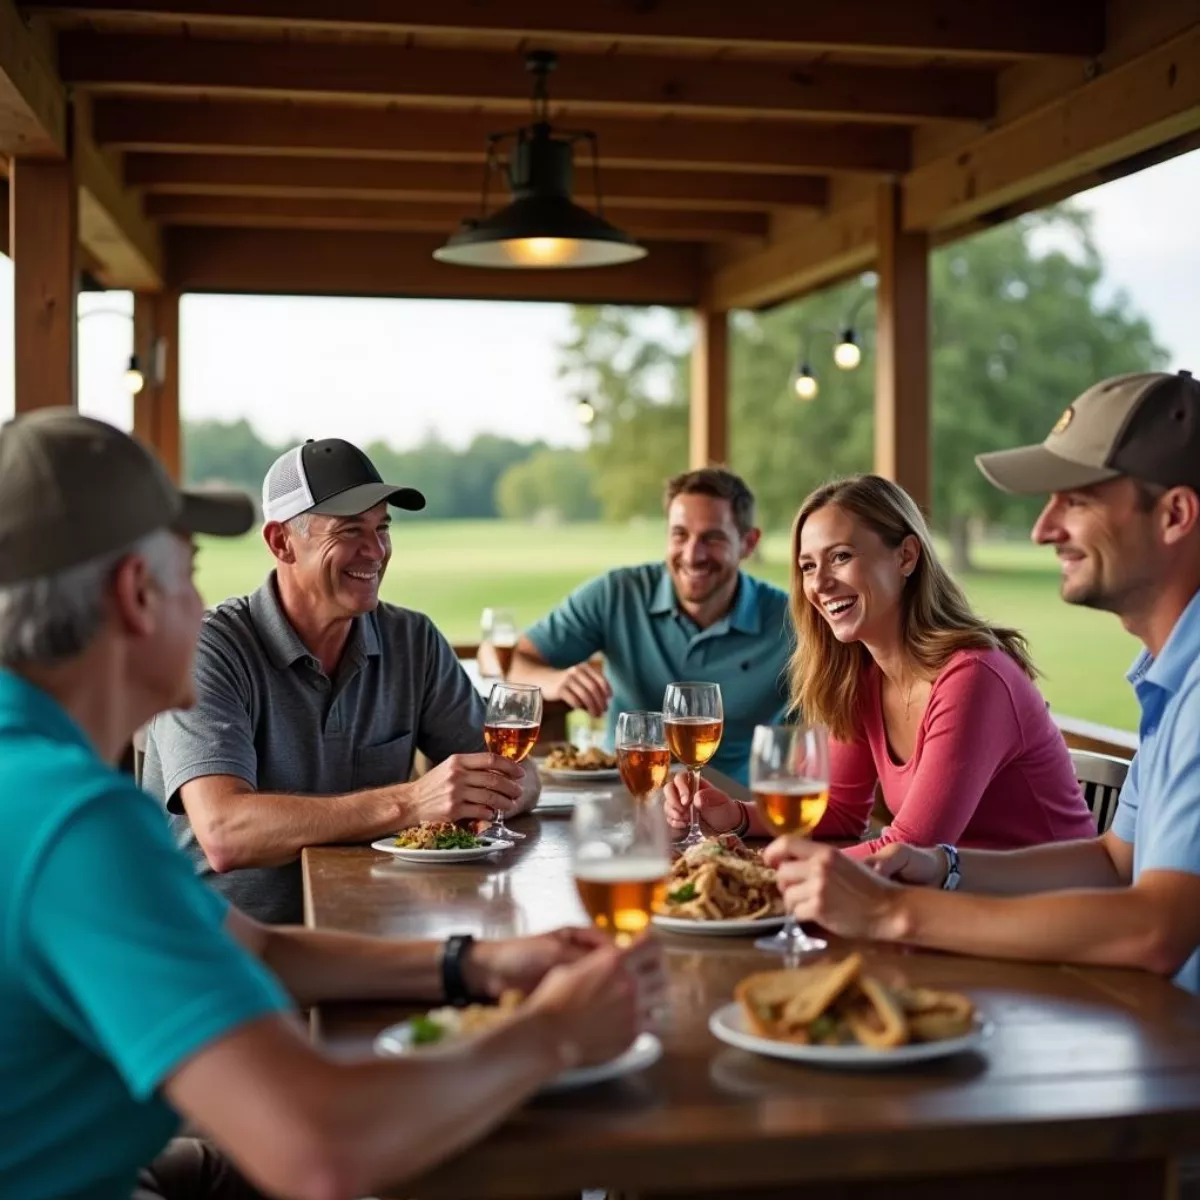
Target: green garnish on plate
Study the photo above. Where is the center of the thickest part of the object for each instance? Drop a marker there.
(426, 1031)
(682, 894)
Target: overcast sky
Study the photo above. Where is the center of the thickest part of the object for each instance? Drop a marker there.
(301, 367)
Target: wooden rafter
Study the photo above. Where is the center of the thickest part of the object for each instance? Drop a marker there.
(267, 176)
(326, 262)
(982, 27)
(350, 132)
(338, 213)
(588, 83)
(33, 101)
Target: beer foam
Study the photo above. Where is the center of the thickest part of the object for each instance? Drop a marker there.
(623, 870)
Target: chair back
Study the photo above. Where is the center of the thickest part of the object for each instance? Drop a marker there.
(1101, 776)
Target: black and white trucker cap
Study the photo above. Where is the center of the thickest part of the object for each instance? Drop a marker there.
(330, 477)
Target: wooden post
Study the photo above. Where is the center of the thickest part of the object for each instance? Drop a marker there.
(43, 235)
(156, 406)
(709, 440)
(902, 399)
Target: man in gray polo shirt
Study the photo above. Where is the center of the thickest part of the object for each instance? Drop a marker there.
(312, 698)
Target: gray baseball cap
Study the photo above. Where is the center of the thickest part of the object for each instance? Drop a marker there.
(73, 489)
(1146, 426)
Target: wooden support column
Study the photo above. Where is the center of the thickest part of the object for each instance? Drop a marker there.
(156, 406)
(709, 436)
(902, 397)
(43, 234)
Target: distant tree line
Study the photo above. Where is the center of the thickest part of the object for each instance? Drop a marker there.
(492, 477)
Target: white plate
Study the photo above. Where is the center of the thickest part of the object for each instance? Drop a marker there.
(646, 1050)
(602, 775)
(490, 846)
(735, 927)
(727, 1024)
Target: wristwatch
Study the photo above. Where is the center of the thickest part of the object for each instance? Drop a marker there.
(454, 981)
(953, 875)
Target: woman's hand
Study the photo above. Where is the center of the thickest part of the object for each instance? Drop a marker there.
(909, 864)
(717, 810)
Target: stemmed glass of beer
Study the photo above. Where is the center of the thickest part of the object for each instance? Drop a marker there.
(789, 778)
(619, 857)
(499, 629)
(510, 729)
(693, 720)
(642, 754)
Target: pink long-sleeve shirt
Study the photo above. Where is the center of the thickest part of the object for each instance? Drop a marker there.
(989, 768)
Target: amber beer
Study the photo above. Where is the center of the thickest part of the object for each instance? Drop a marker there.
(791, 805)
(511, 739)
(643, 768)
(504, 656)
(693, 740)
(619, 894)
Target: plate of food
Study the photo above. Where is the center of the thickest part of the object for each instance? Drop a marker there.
(445, 1030)
(720, 887)
(835, 1014)
(440, 841)
(566, 763)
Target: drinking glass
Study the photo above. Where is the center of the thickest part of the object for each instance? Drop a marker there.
(619, 858)
(789, 778)
(693, 721)
(510, 729)
(642, 754)
(499, 629)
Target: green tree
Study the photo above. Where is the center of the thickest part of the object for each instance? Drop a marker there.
(550, 483)
(226, 451)
(1020, 326)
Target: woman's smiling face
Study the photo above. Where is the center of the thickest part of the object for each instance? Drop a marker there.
(851, 576)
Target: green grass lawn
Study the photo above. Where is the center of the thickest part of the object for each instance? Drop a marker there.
(453, 569)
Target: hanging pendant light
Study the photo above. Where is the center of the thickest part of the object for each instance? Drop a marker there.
(542, 228)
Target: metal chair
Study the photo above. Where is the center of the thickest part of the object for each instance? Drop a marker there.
(1101, 776)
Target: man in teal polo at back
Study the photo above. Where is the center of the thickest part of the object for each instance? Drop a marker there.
(696, 616)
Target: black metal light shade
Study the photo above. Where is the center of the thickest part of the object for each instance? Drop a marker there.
(542, 227)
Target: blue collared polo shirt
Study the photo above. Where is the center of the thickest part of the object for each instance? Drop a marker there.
(115, 966)
(632, 617)
(1159, 811)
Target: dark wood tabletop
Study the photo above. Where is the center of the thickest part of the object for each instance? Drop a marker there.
(1091, 1077)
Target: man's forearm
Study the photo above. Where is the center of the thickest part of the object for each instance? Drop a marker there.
(1109, 927)
(266, 829)
(527, 669)
(1052, 867)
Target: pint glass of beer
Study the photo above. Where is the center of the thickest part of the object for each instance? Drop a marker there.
(619, 857)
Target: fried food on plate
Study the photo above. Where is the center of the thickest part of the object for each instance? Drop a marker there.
(437, 835)
(568, 758)
(721, 879)
(838, 1004)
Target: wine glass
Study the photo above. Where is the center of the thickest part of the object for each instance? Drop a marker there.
(642, 755)
(499, 629)
(619, 858)
(789, 778)
(693, 721)
(510, 729)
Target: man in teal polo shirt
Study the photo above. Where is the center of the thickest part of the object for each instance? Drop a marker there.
(696, 616)
(131, 994)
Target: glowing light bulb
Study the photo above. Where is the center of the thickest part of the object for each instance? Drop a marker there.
(806, 385)
(585, 411)
(542, 251)
(134, 379)
(847, 353)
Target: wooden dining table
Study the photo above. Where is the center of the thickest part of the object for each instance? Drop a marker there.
(1088, 1085)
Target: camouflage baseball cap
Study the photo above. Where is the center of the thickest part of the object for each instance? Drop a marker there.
(1146, 426)
(73, 489)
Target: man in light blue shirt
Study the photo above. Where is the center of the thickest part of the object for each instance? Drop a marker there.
(696, 616)
(1122, 465)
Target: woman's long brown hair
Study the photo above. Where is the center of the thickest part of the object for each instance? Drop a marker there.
(936, 619)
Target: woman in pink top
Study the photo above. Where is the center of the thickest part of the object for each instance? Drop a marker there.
(919, 694)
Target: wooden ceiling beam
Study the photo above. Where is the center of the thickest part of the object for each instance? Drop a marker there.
(325, 213)
(773, 147)
(342, 263)
(33, 101)
(201, 174)
(1017, 28)
(586, 83)
(1129, 111)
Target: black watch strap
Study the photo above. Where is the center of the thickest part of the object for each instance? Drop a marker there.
(454, 982)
